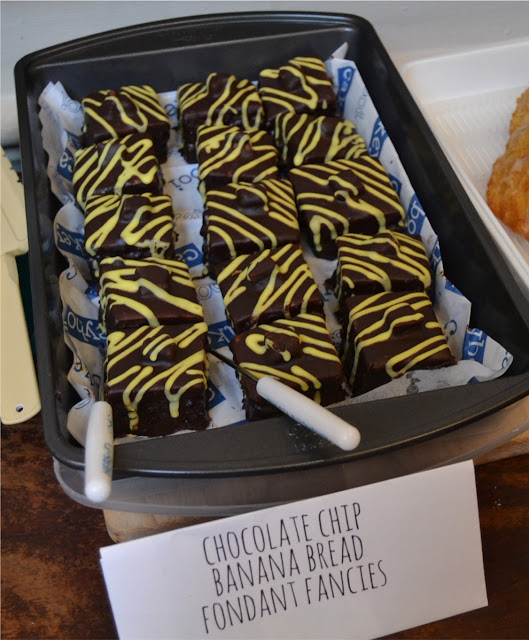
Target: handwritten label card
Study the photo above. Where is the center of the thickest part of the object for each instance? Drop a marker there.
(359, 563)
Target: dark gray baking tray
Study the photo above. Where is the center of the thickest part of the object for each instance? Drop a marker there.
(166, 54)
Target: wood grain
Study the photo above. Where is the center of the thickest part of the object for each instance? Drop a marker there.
(52, 586)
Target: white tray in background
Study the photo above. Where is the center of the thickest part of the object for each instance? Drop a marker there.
(468, 99)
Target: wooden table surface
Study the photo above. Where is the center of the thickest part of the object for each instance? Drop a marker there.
(52, 585)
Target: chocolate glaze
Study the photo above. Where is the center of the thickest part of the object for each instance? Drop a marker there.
(230, 154)
(130, 226)
(117, 166)
(344, 196)
(298, 352)
(268, 285)
(388, 261)
(388, 334)
(155, 379)
(244, 218)
(222, 100)
(149, 292)
(116, 113)
(300, 86)
(307, 139)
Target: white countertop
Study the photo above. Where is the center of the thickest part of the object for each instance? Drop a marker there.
(409, 30)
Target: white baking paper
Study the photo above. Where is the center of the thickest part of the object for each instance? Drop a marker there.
(360, 563)
(479, 356)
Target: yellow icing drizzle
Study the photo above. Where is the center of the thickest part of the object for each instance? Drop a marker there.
(382, 330)
(301, 327)
(311, 334)
(304, 374)
(226, 145)
(345, 142)
(260, 370)
(417, 354)
(373, 304)
(133, 155)
(398, 251)
(151, 225)
(224, 215)
(299, 278)
(237, 97)
(145, 105)
(150, 342)
(122, 284)
(311, 76)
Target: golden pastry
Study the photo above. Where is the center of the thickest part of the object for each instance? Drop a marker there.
(520, 116)
(508, 187)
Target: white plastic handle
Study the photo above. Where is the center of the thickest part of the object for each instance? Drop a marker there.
(99, 452)
(309, 413)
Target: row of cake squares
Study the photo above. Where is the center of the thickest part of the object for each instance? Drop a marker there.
(312, 171)
(336, 186)
(252, 241)
(260, 286)
(383, 286)
(301, 86)
(155, 364)
(251, 246)
(124, 142)
(318, 201)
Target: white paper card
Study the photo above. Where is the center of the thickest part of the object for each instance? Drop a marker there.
(359, 563)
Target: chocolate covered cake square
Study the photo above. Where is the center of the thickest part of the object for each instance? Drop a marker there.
(155, 379)
(117, 166)
(301, 86)
(130, 226)
(112, 113)
(244, 218)
(388, 334)
(387, 261)
(222, 100)
(307, 139)
(149, 292)
(297, 352)
(344, 196)
(268, 285)
(230, 154)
